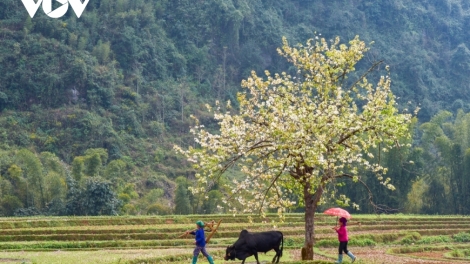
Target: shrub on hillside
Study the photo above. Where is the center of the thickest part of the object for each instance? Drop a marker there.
(459, 253)
(461, 237)
(128, 209)
(30, 211)
(434, 239)
(158, 209)
(365, 242)
(55, 207)
(8, 205)
(95, 198)
(410, 238)
(327, 243)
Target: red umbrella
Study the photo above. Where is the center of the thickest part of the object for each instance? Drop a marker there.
(338, 212)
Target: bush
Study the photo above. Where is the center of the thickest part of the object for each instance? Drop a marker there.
(460, 253)
(366, 242)
(9, 204)
(461, 237)
(30, 211)
(363, 242)
(327, 243)
(128, 209)
(457, 254)
(289, 242)
(96, 198)
(410, 238)
(55, 207)
(434, 239)
(158, 209)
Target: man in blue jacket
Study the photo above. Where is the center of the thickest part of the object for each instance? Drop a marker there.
(200, 242)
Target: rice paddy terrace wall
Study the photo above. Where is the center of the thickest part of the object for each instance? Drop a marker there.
(401, 235)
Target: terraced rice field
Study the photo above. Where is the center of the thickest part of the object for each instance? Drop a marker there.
(157, 239)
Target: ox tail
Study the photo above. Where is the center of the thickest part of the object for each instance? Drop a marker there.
(282, 244)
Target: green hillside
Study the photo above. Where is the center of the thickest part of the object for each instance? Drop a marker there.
(97, 102)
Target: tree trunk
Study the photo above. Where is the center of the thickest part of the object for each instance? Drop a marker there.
(307, 250)
(311, 203)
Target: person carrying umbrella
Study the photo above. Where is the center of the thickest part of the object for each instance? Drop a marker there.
(343, 240)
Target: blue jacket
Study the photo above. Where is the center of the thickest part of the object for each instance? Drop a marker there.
(200, 237)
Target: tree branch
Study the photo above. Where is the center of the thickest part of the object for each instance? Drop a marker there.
(272, 184)
(365, 74)
(341, 140)
(378, 208)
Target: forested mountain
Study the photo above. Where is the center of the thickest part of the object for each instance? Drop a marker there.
(93, 105)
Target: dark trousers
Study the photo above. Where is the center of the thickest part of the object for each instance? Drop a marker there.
(198, 250)
(343, 247)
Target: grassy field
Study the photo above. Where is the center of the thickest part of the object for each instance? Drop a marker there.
(157, 239)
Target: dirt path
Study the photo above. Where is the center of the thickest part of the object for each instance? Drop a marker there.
(379, 256)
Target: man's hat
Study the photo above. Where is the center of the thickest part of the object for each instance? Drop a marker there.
(200, 223)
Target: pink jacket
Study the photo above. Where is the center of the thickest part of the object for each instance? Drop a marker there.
(342, 234)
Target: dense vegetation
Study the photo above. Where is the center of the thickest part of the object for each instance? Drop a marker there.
(91, 107)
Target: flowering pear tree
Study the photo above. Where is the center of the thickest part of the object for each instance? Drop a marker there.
(294, 136)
